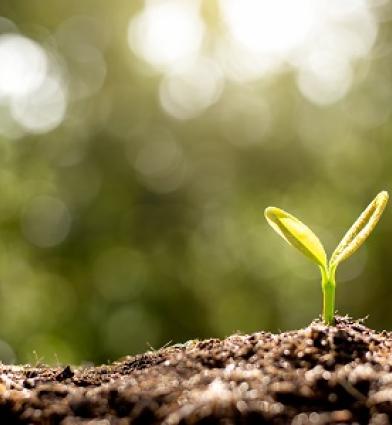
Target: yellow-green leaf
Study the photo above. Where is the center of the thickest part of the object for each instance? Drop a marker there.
(296, 234)
(360, 230)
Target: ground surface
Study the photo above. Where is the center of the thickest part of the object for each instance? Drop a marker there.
(317, 375)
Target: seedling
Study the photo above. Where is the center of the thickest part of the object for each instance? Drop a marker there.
(301, 237)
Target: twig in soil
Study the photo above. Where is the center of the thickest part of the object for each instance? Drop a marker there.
(354, 392)
(38, 360)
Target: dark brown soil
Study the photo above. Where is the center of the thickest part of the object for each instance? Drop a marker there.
(317, 375)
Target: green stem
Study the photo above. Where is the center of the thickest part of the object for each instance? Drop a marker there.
(328, 288)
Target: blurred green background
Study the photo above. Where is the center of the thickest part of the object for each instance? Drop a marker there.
(139, 145)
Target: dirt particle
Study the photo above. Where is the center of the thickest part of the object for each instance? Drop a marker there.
(341, 416)
(66, 373)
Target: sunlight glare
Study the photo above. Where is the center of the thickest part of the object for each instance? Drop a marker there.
(23, 65)
(264, 26)
(318, 40)
(166, 32)
(32, 91)
(44, 109)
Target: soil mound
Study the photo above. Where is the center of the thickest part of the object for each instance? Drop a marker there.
(317, 375)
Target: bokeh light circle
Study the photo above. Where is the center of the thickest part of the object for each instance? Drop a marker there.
(166, 32)
(23, 67)
(46, 221)
(187, 93)
(44, 109)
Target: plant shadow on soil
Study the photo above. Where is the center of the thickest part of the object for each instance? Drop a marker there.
(317, 375)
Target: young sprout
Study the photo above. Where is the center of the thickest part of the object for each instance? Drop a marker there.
(301, 237)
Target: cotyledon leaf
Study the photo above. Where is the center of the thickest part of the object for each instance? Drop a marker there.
(296, 234)
(360, 230)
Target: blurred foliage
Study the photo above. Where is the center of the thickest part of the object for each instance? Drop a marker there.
(131, 215)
